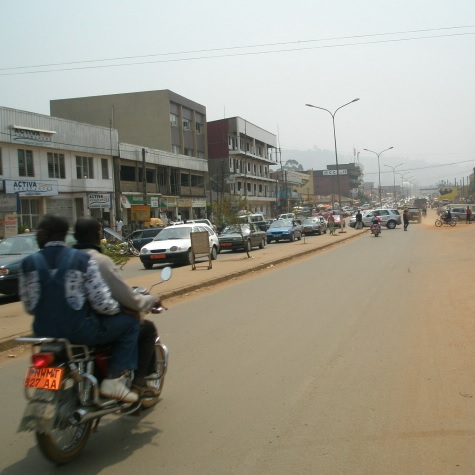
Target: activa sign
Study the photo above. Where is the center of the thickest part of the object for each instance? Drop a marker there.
(32, 187)
(99, 200)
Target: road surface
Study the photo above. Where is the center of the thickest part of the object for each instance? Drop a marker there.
(359, 360)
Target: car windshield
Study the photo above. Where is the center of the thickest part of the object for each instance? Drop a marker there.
(18, 245)
(173, 232)
(311, 221)
(281, 223)
(235, 228)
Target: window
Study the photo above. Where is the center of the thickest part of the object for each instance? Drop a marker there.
(127, 173)
(105, 168)
(173, 120)
(56, 165)
(249, 167)
(25, 163)
(249, 187)
(84, 167)
(1, 162)
(189, 152)
(186, 124)
(29, 212)
(176, 149)
(199, 128)
(201, 155)
(239, 186)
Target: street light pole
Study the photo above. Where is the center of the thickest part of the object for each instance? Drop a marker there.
(379, 169)
(394, 179)
(334, 138)
(402, 175)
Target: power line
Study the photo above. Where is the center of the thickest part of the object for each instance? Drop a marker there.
(219, 56)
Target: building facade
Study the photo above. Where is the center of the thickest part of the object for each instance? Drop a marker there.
(169, 158)
(240, 155)
(51, 165)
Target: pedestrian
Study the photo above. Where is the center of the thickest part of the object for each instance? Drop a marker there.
(359, 220)
(331, 223)
(405, 218)
(119, 225)
(468, 215)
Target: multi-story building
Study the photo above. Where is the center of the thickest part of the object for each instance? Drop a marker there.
(51, 165)
(173, 130)
(293, 189)
(240, 156)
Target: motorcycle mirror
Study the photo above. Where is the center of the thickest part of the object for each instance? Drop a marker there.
(166, 273)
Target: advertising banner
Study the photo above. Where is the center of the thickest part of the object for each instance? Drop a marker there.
(31, 187)
(99, 200)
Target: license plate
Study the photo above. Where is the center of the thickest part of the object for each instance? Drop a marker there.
(44, 378)
(158, 256)
(225, 244)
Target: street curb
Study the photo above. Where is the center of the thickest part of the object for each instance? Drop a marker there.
(9, 343)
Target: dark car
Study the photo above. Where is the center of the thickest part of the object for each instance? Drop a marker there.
(12, 251)
(242, 236)
(284, 229)
(415, 214)
(314, 225)
(140, 237)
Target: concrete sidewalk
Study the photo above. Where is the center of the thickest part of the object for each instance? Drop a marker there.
(15, 322)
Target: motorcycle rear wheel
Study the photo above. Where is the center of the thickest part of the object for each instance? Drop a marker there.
(156, 384)
(66, 440)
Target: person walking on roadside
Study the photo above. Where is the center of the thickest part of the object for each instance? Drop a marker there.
(468, 215)
(331, 223)
(405, 218)
(359, 220)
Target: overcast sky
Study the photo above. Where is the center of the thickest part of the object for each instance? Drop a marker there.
(410, 62)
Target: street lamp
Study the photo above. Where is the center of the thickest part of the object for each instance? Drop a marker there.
(394, 179)
(379, 169)
(403, 175)
(334, 137)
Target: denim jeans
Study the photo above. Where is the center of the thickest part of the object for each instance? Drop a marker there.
(120, 329)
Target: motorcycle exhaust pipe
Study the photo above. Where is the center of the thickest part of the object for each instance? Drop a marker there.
(79, 416)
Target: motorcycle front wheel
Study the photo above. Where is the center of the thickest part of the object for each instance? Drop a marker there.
(438, 223)
(66, 440)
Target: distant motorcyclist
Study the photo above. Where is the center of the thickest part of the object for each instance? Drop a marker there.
(376, 220)
(448, 216)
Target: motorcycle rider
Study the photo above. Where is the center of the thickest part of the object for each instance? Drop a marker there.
(87, 232)
(64, 291)
(376, 220)
(448, 216)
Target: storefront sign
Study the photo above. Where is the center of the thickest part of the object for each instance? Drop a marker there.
(140, 213)
(31, 187)
(8, 203)
(30, 136)
(199, 203)
(99, 200)
(333, 172)
(126, 201)
(11, 225)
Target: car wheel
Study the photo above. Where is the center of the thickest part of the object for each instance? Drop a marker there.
(292, 237)
(391, 224)
(269, 241)
(214, 253)
(300, 237)
(147, 265)
(262, 244)
(189, 258)
(248, 246)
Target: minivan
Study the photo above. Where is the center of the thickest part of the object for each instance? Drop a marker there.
(255, 218)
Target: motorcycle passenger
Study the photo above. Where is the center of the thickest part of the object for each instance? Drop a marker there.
(376, 220)
(87, 232)
(64, 291)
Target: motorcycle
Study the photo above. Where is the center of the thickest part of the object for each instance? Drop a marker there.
(62, 390)
(375, 229)
(446, 222)
(127, 247)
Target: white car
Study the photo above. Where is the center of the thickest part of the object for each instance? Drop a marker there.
(173, 244)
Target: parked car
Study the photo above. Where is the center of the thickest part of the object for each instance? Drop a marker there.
(314, 225)
(173, 244)
(339, 221)
(389, 217)
(199, 220)
(242, 236)
(140, 237)
(284, 229)
(254, 218)
(459, 212)
(12, 251)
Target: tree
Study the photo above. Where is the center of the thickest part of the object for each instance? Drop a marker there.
(293, 165)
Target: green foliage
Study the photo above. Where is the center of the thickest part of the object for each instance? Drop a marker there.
(116, 253)
(227, 210)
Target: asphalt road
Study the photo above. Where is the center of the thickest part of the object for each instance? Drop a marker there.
(358, 360)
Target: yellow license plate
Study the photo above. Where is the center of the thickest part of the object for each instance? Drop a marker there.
(44, 378)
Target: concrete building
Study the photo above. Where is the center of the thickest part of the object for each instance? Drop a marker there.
(51, 165)
(168, 159)
(240, 155)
